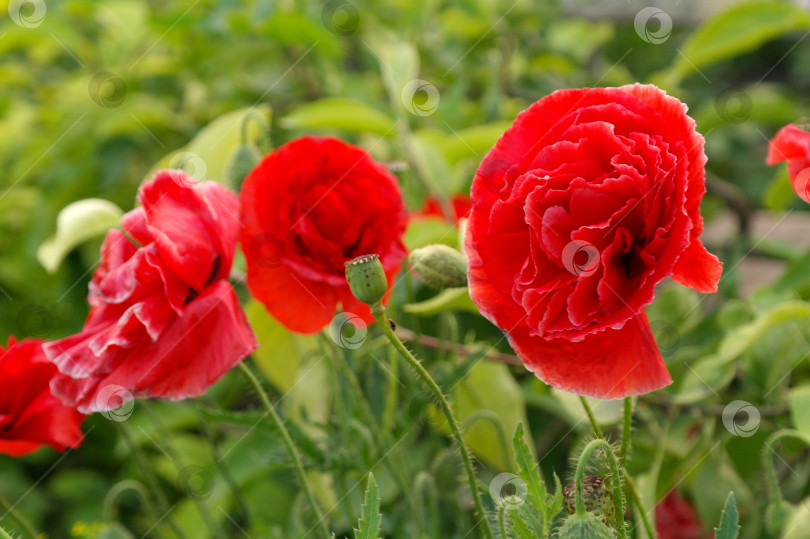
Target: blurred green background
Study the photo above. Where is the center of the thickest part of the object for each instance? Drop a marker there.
(94, 94)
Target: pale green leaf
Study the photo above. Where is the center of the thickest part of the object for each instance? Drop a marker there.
(729, 521)
(800, 408)
(736, 31)
(339, 113)
(368, 527)
(75, 224)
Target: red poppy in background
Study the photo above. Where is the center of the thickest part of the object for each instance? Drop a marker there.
(307, 208)
(461, 205)
(675, 518)
(164, 321)
(792, 144)
(30, 415)
(583, 205)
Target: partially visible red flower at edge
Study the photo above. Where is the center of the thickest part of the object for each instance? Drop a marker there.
(164, 321)
(461, 205)
(307, 208)
(792, 144)
(675, 518)
(584, 204)
(30, 415)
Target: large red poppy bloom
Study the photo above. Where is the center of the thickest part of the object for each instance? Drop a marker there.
(583, 205)
(792, 144)
(30, 415)
(164, 321)
(307, 208)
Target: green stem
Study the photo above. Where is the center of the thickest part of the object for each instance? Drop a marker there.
(291, 447)
(9, 509)
(150, 477)
(767, 459)
(616, 480)
(180, 464)
(109, 511)
(631, 487)
(626, 429)
(379, 314)
(592, 418)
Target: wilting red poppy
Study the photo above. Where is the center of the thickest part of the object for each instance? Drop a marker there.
(307, 208)
(792, 144)
(30, 415)
(164, 321)
(583, 205)
(675, 518)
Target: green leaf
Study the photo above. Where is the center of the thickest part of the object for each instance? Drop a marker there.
(735, 31)
(729, 521)
(207, 156)
(75, 224)
(800, 408)
(4, 534)
(368, 527)
(780, 194)
(704, 378)
(450, 299)
(528, 470)
(339, 113)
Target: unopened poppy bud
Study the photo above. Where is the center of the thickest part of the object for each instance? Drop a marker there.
(585, 526)
(366, 278)
(595, 494)
(439, 266)
(241, 162)
(777, 516)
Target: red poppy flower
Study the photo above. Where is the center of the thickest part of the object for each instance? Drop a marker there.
(164, 321)
(30, 415)
(792, 144)
(307, 208)
(583, 205)
(675, 518)
(461, 205)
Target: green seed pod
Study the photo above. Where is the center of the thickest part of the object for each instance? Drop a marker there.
(777, 516)
(366, 278)
(240, 163)
(585, 526)
(439, 266)
(596, 495)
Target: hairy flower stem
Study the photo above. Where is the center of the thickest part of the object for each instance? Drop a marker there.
(379, 315)
(151, 479)
(767, 459)
(8, 509)
(616, 480)
(631, 487)
(291, 447)
(626, 427)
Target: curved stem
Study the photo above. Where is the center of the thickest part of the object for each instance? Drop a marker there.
(291, 447)
(379, 314)
(109, 510)
(616, 479)
(154, 485)
(9, 509)
(767, 460)
(626, 429)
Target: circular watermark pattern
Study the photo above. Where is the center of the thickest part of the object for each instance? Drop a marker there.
(34, 321)
(267, 250)
(419, 97)
(27, 13)
(348, 330)
(190, 163)
(107, 89)
(733, 105)
(116, 403)
(340, 17)
(580, 258)
(508, 490)
(196, 482)
(741, 418)
(666, 336)
(653, 25)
